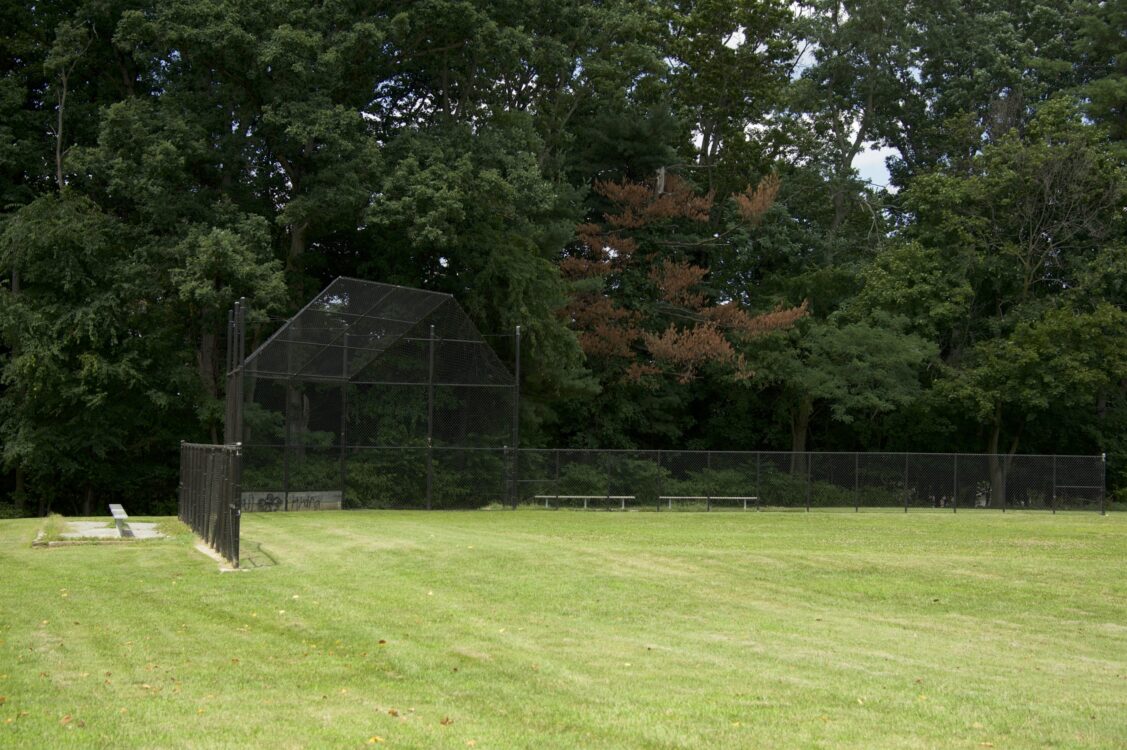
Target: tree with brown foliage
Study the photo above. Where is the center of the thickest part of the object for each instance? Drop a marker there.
(643, 306)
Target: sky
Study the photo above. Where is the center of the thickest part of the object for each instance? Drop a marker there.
(871, 165)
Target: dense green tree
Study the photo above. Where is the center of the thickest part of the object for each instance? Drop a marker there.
(95, 392)
(1006, 252)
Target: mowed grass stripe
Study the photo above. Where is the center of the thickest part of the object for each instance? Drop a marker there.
(566, 629)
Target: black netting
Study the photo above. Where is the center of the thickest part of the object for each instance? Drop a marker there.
(375, 396)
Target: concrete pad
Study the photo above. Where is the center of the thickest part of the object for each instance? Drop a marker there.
(106, 530)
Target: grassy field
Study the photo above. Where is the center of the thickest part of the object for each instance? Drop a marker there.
(573, 630)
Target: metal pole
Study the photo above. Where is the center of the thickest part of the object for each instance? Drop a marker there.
(708, 467)
(239, 353)
(344, 420)
(856, 482)
(955, 486)
(180, 489)
(806, 459)
(1005, 483)
(237, 505)
(1054, 496)
(430, 417)
(288, 429)
(1103, 484)
(516, 418)
(758, 489)
(905, 482)
(657, 501)
(228, 410)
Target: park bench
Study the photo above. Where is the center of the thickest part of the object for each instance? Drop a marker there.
(585, 498)
(708, 499)
(121, 518)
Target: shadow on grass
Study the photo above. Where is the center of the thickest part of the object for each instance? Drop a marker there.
(252, 556)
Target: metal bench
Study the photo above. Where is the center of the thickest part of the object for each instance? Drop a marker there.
(121, 518)
(708, 499)
(585, 498)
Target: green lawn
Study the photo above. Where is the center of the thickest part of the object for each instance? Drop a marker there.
(576, 630)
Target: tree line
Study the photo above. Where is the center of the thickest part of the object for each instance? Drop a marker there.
(662, 193)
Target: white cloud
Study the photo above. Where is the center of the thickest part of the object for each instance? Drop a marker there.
(870, 165)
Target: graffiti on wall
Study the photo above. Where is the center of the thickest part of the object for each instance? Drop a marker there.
(278, 500)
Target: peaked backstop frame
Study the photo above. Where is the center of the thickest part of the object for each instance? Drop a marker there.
(393, 387)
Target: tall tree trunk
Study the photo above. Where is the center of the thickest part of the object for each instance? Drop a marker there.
(1000, 464)
(59, 133)
(18, 496)
(799, 427)
(88, 500)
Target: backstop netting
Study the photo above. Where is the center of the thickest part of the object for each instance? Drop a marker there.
(373, 395)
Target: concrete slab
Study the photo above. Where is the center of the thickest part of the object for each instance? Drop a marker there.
(106, 530)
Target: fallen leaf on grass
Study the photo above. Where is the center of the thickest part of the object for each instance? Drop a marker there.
(392, 712)
(3, 700)
(471, 743)
(66, 720)
(446, 721)
(374, 739)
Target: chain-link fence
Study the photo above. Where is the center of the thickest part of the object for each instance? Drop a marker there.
(715, 480)
(210, 497)
(369, 395)
(379, 396)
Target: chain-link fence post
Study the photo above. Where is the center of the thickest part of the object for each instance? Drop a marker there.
(806, 460)
(344, 420)
(955, 484)
(1103, 484)
(708, 486)
(856, 482)
(905, 482)
(516, 418)
(430, 416)
(1005, 484)
(236, 503)
(1054, 496)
